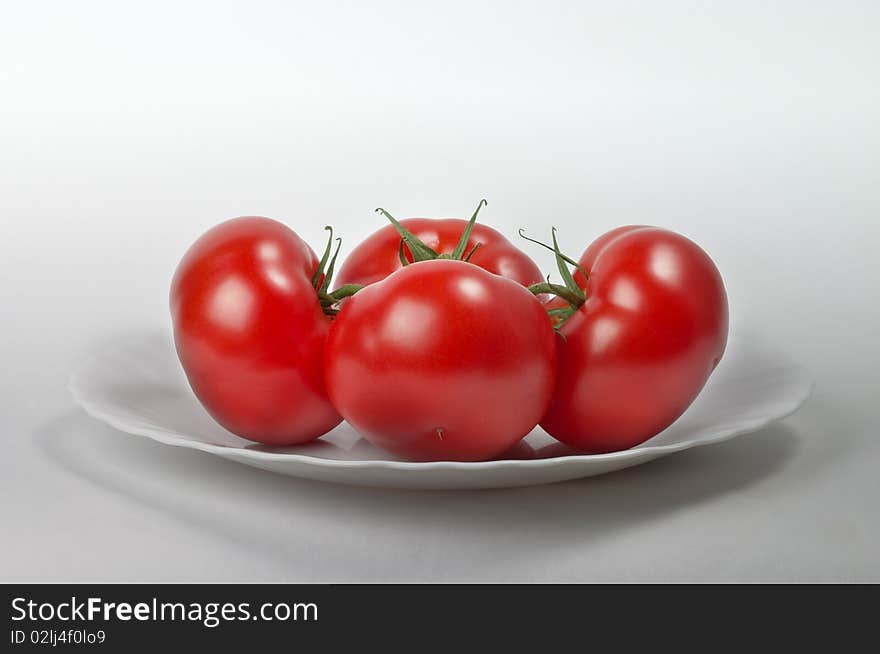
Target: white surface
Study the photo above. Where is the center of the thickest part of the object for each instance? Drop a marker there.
(126, 130)
(139, 387)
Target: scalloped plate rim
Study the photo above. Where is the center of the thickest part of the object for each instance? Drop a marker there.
(240, 454)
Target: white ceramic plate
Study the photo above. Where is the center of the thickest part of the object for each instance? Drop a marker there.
(138, 387)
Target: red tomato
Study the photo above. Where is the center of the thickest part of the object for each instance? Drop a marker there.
(250, 331)
(378, 256)
(442, 361)
(634, 356)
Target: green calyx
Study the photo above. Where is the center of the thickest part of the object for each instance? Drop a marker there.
(324, 275)
(422, 252)
(570, 291)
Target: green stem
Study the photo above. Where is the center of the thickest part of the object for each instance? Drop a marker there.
(471, 253)
(574, 298)
(329, 276)
(344, 291)
(559, 255)
(322, 278)
(458, 252)
(320, 270)
(420, 251)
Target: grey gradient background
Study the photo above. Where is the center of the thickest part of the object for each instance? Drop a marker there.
(126, 129)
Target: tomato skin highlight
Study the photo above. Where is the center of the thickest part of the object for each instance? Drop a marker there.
(250, 331)
(442, 361)
(378, 255)
(642, 346)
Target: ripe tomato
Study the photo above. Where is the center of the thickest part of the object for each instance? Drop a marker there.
(380, 254)
(640, 348)
(250, 331)
(442, 361)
